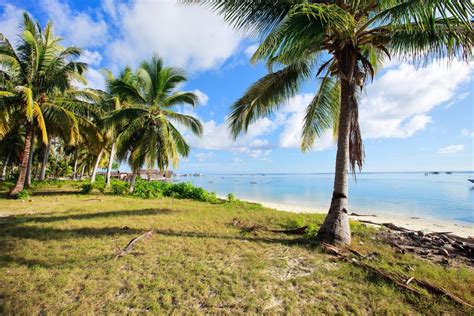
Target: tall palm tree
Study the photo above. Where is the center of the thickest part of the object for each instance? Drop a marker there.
(113, 103)
(38, 67)
(341, 42)
(147, 132)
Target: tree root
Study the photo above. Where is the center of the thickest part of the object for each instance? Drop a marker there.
(125, 251)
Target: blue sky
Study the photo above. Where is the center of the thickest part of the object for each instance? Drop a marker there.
(413, 119)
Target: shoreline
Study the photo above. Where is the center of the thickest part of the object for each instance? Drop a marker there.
(414, 223)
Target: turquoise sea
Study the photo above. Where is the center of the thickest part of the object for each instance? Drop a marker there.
(440, 196)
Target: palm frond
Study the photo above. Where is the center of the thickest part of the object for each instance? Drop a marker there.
(186, 120)
(264, 96)
(321, 112)
(178, 98)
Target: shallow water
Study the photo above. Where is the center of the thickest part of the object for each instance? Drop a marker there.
(442, 196)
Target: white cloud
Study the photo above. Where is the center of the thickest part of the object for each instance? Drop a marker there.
(452, 149)
(202, 97)
(217, 137)
(259, 143)
(397, 104)
(95, 79)
(250, 50)
(466, 133)
(10, 21)
(188, 36)
(201, 157)
(93, 58)
(78, 28)
(291, 117)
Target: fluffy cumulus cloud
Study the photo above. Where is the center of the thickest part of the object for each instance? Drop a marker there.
(452, 149)
(93, 58)
(217, 137)
(186, 36)
(250, 50)
(291, 117)
(398, 103)
(95, 79)
(78, 28)
(10, 21)
(202, 97)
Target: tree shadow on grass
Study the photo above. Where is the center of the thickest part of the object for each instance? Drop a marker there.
(55, 192)
(38, 218)
(49, 233)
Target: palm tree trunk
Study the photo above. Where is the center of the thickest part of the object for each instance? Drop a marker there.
(132, 181)
(82, 172)
(335, 229)
(74, 172)
(4, 167)
(22, 168)
(30, 159)
(44, 163)
(111, 160)
(96, 166)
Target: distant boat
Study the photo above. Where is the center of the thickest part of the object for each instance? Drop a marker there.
(470, 180)
(253, 182)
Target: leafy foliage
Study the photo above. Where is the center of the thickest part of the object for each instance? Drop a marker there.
(119, 187)
(156, 189)
(147, 126)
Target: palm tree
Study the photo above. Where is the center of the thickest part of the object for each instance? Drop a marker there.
(147, 134)
(38, 67)
(66, 117)
(114, 104)
(342, 42)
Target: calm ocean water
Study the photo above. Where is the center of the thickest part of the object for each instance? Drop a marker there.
(442, 196)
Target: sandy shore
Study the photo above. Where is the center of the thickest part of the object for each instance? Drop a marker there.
(415, 223)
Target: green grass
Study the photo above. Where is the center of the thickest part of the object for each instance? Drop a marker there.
(57, 256)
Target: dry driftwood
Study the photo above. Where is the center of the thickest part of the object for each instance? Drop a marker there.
(362, 215)
(123, 252)
(398, 279)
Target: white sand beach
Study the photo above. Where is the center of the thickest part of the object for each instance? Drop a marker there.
(415, 223)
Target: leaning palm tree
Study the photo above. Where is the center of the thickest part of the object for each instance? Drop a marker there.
(147, 135)
(36, 68)
(340, 42)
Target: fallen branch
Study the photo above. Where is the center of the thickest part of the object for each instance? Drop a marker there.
(398, 279)
(440, 291)
(123, 252)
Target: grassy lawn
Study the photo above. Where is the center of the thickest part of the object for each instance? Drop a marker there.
(57, 256)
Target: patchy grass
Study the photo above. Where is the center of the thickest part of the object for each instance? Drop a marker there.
(57, 256)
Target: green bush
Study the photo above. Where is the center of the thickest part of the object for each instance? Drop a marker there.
(231, 198)
(119, 187)
(156, 189)
(86, 188)
(99, 184)
(23, 195)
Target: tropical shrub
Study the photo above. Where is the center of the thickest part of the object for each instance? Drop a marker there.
(119, 187)
(156, 189)
(23, 195)
(231, 197)
(86, 188)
